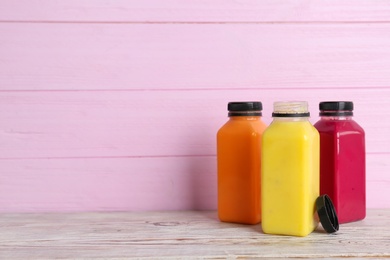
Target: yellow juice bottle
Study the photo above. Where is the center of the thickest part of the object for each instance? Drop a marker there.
(290, 171)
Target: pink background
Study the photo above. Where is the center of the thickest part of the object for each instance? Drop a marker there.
(114, 105)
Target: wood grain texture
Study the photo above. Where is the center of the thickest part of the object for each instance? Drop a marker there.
(193, 56)
(114, 105)
(117, 184)
(128, 184)
(195, 11)
(157, 123)
(190, 234)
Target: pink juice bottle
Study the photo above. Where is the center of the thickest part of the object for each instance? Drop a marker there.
(342, 160)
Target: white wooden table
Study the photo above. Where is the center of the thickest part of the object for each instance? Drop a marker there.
(188, 234)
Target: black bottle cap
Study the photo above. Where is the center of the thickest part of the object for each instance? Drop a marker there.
(336, 108)
(245, 108)
(327, 214)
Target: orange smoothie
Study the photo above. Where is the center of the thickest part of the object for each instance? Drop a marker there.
(239, 166)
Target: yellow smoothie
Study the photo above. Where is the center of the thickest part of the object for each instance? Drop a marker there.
(290, 175)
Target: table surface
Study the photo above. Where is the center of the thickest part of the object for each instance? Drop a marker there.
(183, 234)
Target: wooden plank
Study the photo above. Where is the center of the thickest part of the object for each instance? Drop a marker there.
(378, 180)
(194, 11)
(188, 235)
(153, 123)
(193, 56)
(117, 184)
(134, 184)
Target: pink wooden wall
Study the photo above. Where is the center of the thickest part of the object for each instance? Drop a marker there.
(114, 105)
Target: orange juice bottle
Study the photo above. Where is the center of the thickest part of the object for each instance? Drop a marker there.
(238, 156)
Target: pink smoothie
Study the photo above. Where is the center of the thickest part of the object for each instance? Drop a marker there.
(342, 166)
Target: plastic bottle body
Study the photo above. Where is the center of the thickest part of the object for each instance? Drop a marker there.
(290, 176)
(342, 166)
(238, 159)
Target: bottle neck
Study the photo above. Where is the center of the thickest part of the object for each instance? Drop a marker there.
(290, 119)
(244, 118)
(244, 113)
(336, 118)
(336, 113)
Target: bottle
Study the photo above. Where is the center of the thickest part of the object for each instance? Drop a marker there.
(342, 163)
(238, 159)
(290, 171)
